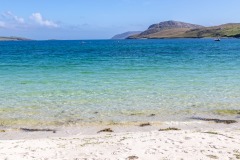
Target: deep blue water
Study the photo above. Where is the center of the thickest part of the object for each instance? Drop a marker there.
(61, 82)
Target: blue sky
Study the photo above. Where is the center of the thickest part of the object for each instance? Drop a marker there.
(101, 19)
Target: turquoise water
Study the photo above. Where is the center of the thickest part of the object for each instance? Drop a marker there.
(77, 82)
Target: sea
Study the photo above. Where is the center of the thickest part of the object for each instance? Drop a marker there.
(84, 82)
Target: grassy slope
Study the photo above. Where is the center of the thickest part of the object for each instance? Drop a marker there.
(226, 30)
(167, 33)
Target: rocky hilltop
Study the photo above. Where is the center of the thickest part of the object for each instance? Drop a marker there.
(176, 29)
(126, 34)
(169, 25)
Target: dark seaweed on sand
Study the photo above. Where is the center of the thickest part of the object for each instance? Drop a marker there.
(215, 120)
(37, 130)
(105, 130)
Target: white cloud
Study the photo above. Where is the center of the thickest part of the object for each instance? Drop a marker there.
(11, 16)
(9, 20)
(37, 17)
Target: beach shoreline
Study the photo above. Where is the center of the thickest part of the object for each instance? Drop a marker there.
(173, 140)
(36, 132)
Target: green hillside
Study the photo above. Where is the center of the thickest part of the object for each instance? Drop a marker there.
(186, 30)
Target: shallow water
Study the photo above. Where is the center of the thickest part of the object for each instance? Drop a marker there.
(63, 82)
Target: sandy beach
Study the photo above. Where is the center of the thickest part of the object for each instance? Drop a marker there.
(120, 80)
(202, 140)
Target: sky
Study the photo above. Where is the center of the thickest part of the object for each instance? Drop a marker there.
(102, 19)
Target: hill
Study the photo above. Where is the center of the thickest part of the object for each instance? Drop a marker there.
(176, 29)
(13, 39)
(125, 35)
(226, 30)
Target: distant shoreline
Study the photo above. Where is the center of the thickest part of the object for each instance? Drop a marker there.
(177, 29)
(14, 39)
(167, 38)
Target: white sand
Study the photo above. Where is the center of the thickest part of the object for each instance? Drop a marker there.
(184, 144)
